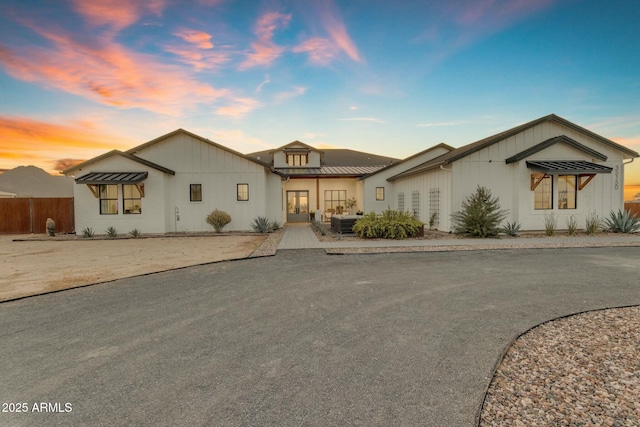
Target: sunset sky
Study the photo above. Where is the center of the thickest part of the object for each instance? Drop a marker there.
(79, 78)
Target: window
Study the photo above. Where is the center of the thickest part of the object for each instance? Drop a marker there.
(195, 191)
(401, 202)
(108, 199)
(567, 191)
(542, 191)
(297, 159)
(336, 200)
(379, 193)
(243, 192)
(415, 203)
(131, 199)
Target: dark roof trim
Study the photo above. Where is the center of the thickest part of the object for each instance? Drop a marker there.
(567, 167)
(111, 153)
(551, 141)
(329, 171)
(112, 178)
(440, 145)
(288, 147)
(199, 138)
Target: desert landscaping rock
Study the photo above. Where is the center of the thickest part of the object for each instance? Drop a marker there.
(579, 370)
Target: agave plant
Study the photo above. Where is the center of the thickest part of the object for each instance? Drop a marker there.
(262, 224)
(112, 232)
(622, 222)
(512, 228)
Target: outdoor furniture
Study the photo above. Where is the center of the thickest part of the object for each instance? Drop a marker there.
(344, 223)
(328, 214)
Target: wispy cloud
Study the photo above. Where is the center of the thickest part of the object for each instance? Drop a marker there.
(109, 73)
(199, 38)
(265, 51)
(118, 14)
(238, 107)
(321, 51)
(28, 139)
(331, 20)
(266, 80)
(363, 119)
(283, 96)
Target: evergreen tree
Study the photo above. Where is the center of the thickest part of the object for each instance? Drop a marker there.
(480, 215)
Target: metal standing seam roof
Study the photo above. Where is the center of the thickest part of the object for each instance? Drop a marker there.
(112, 178)
(567, 167)
(330, 171)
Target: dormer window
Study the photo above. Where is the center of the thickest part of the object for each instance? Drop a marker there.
(297, 159)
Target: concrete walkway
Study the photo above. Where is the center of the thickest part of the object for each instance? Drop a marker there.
(301, 236)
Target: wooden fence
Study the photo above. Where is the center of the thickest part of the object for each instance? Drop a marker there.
(633, 208)
(29, 215)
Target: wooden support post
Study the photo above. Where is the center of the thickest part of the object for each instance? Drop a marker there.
(582, 184)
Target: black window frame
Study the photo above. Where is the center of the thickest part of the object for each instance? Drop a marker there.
(134, 189)
(192, 187)
(550, 192)
(108, 198)
(379, 199)
(239, 194)
(561, 178)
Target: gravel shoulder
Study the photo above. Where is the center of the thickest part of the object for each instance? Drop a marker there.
(36, 265)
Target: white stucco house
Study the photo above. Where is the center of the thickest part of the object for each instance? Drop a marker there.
(170, 184)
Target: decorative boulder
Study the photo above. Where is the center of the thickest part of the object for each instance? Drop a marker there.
(51, 227)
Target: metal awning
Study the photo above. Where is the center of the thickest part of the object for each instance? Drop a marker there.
(567, 167)
(94, 178)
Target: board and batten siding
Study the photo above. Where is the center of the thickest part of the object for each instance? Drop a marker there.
(511, 182)
(218, 171)
(425, 185)
(152, 216)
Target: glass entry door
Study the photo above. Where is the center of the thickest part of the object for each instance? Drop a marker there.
(297, 206)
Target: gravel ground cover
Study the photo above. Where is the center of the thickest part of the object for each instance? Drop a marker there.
(581, 370)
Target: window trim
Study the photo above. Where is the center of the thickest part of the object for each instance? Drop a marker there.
(124, 199)
(536, 181)
(240, 195)
(378, 198)
(575, 192)
(101, 199)
(303, 159)
(191, 189)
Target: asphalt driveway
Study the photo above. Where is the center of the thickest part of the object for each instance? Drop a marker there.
(301, 338)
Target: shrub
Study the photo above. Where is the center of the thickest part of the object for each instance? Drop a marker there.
(135, 233)
(572, 225)
(112, 232)
(390, 224)
(550, 224)
(262, 224)
(512, 229)
(592, 223)
(87, 233)
(480, 215)
(218, 219)
(275, 225)
(622, 222)
(432, 220)
(317, 226)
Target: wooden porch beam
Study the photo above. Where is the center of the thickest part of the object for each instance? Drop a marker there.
(582, 184)
(536, 180)
(140, 188)
(94, 189)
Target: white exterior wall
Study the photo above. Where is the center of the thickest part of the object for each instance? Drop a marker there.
(436, 180)
(152, 216)
(218, 171)
(511, 182)
(380, 180)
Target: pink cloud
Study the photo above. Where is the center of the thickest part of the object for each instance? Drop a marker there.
(321, 51)
(334, 25)
(117, 14)
(265, 51)
(199, 38)
(107, 72)
(238, 107)
(283, 96)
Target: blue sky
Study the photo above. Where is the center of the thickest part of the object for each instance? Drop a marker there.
(80, 78)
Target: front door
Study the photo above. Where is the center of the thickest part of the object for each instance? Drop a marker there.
(297, 206)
